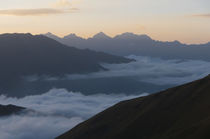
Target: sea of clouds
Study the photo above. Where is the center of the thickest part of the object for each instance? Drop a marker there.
(54, 113)
(154, 70)
(59, 110)
(147, 69)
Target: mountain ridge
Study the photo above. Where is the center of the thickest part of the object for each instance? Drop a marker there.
(26, 54)
(133, 44)
(122, 34)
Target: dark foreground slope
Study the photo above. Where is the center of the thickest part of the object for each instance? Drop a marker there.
(25, 54)
(9, 109)
(179, 113)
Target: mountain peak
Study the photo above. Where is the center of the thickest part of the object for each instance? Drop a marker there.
(72, 36)
(176, 42)
(101, 35)
(129, 35)
(51, 35)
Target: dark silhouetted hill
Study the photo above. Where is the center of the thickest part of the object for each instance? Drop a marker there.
(177, 113)
(133, 44)
(25, 54)
(10, 109)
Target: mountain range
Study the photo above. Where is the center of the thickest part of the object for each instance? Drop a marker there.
(26, 54)
(176, 113)
(133, 44)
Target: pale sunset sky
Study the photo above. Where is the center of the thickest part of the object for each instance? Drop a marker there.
(185, 20)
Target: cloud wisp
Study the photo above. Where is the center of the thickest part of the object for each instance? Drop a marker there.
(37, 12)
(56, 112)
(58, 7)
(207, 15)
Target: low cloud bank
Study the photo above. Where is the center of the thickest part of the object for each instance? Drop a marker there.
(205, 15)
(154, 70)
(146, 69)
(56, 112)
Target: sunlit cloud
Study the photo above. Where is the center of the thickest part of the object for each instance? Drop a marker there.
(37, 12)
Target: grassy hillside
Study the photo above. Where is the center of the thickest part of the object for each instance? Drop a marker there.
(177, 113)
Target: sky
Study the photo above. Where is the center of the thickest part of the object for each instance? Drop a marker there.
(185, 20)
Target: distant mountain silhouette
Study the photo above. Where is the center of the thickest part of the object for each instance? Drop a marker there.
(25, 54)
(177, 113)
(52, 36)
(133, 44)
(9, 110)
(101, 36)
